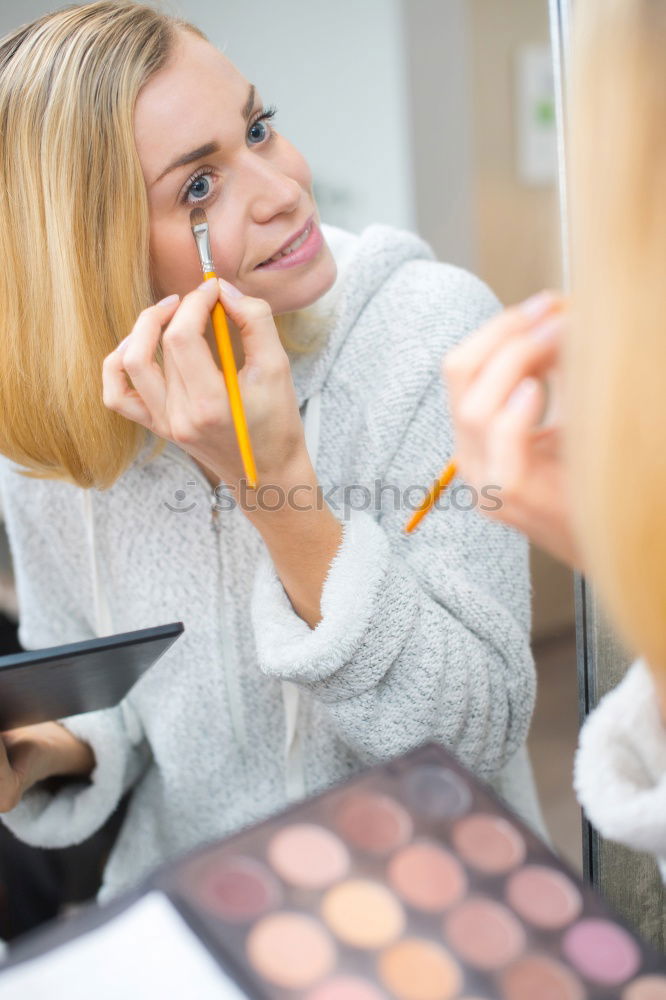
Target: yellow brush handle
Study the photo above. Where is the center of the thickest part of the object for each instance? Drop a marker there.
(225, 349)
(432, 497)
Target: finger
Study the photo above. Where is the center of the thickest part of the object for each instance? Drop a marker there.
(138, 357)
(4, 759)
(531, 354)
(462, 364)
(189, 365)
(143, 403)
(510, 436)
(253, 317)
(117, 393)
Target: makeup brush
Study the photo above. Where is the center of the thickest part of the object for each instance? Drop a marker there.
(432, 497)
(199, 224)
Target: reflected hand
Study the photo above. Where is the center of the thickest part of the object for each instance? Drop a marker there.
(498, 396)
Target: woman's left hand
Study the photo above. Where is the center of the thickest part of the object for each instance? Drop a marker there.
(187, 403)
(496, 393)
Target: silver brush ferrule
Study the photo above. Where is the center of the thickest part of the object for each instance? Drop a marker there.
(202, 240)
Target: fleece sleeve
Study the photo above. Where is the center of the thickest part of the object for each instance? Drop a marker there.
(423, 636)
(620, 766)
(51, 572)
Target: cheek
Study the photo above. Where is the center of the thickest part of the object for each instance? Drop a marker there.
(295, 165)
(300, 169)
(174, 263)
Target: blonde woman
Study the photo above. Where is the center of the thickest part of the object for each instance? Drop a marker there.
(613, 442)
(317, 638)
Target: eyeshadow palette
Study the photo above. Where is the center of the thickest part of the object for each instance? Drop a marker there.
(412, 881)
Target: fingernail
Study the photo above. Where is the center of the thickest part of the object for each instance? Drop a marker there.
(537, 305)
(547, 330)
(521, 396)
(229, 289)
(123, 343)
(168, 300)
(204, 284)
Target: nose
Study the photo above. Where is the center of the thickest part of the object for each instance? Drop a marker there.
(271, 191)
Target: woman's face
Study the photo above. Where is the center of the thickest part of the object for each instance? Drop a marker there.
(256, 188)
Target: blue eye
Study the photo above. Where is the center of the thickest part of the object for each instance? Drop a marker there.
(202, 175)
(192, 196)
(265, 116)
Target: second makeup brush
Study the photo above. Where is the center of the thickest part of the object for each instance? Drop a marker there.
(199, 224)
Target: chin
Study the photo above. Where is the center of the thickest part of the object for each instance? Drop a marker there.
(306, 291)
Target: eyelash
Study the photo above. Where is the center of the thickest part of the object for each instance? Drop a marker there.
(266, 114)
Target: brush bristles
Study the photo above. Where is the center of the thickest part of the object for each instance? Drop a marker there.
(198, 217)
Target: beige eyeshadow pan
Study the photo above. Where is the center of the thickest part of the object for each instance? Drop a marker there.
(646, 988)
(308, 856)
(362, 913)
(488, 843)
(290, 950)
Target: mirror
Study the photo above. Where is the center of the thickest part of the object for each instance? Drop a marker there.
(437, 118)
(629, 880)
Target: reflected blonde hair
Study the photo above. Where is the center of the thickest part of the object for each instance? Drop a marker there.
(616, 353)
(74, 232)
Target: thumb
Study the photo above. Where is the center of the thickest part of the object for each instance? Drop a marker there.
(254, 319)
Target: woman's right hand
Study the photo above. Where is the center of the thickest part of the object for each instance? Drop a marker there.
(33, 753)
(496, 389)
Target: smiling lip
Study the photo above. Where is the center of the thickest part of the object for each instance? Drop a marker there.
(305, 252)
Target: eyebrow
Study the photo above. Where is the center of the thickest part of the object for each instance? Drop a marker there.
(209, 147)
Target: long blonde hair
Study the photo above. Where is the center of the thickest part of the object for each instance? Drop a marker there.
(616, 353)
(74, 232)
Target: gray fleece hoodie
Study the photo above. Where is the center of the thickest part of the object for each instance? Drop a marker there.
(422, 637)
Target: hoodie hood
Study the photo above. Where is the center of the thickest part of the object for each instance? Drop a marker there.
(365, 263)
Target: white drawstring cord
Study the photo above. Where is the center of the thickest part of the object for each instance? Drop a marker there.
(294, 762)
(103, 621)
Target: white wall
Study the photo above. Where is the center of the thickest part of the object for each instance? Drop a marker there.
(336, 71)
(439, 72)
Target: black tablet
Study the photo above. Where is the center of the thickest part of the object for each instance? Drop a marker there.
(45, 684)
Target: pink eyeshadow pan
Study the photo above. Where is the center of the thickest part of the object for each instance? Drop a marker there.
(544, 897)
(308, 856)
(484, 933)
(488, 843)
(237, 889)
(537, 977)
(346, 988)
(601, 951)
(373, 823)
